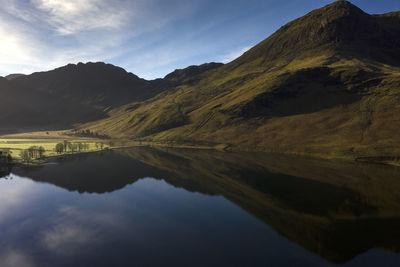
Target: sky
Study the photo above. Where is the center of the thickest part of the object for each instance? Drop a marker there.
(149, 38)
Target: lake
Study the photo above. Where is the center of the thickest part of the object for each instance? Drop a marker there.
(182, 207)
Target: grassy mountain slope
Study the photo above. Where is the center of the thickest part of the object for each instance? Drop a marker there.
(327, 83)
(191, 74)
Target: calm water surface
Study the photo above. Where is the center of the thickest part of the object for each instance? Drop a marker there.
(148, 207)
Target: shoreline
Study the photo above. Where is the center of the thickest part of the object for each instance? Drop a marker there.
(374, 159)
(116, 144)
(223, 148)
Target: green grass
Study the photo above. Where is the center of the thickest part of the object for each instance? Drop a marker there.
(17, 145)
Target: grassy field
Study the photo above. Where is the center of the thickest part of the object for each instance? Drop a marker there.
(16, 145)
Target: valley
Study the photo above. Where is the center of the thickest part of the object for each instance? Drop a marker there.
(323, 85)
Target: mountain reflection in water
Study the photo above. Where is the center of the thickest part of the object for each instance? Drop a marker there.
(335, 210)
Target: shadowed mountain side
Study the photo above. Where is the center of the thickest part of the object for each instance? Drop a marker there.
(96, 84)
(24, 109)
(325, 84)
(319, 85)
(334, 209)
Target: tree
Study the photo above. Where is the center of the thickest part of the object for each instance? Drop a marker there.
(74, 147)
(66, 145)
(99, 145)
(69, 146)
(59, 148)
(33, 152)
(25, 155)
(41, 152)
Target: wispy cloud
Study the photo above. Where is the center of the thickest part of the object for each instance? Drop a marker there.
(147, 37)
(44, 34)
(15, 193)
(72, 229)
(14, 258)
(74, 16)
(234, 54)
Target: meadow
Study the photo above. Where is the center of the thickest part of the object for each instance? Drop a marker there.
(15, 146)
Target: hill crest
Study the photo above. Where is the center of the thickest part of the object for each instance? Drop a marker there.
(339, 29)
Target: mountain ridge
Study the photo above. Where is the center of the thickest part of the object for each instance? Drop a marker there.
(332, 25)
(13, 76)
(89, 79)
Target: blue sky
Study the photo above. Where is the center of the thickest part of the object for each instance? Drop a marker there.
(150, 38)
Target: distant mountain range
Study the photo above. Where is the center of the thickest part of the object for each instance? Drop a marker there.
(325, 84)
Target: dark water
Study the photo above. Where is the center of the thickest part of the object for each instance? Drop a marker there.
(148, 207)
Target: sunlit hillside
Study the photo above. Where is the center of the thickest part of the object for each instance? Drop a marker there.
(323, 84)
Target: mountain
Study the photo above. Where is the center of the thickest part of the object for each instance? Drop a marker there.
(326, 84)
(96, 84)
(339, 27)
(72, 94)
(79, 93)
(13, 76)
